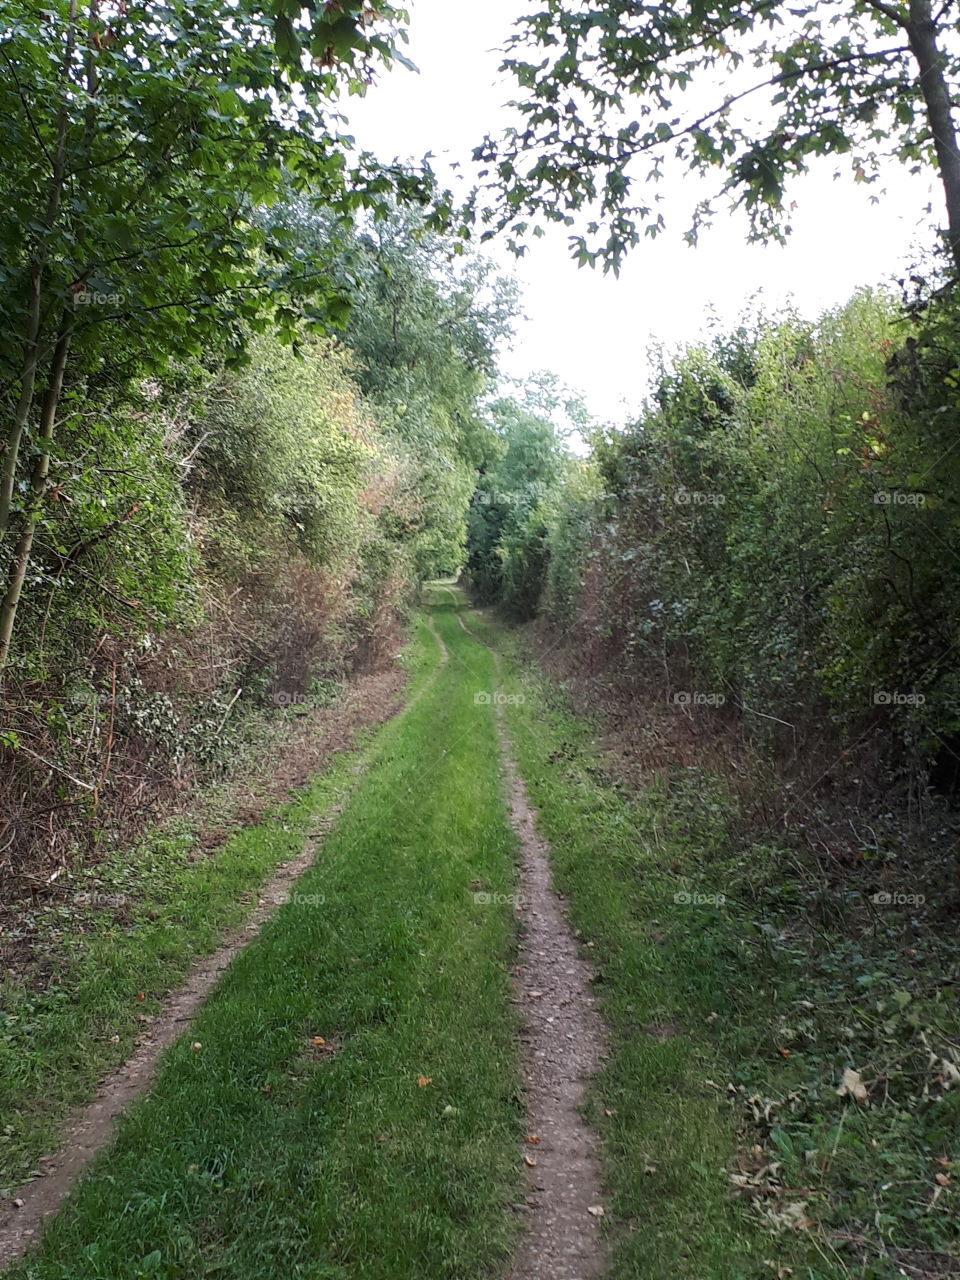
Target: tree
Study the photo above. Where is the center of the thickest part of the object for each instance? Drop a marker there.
(602, 88)
(138, 139)
(426, 324)
(506, 533)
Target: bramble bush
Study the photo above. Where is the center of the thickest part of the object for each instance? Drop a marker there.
(779, 527)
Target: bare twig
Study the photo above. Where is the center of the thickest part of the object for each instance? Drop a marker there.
(87, 786)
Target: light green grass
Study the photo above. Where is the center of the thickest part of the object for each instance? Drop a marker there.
(263, 1155)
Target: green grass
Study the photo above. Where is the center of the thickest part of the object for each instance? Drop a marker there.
(664, 969)
(262, 1154)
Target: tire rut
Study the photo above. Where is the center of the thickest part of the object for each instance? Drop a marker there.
(564, 1044)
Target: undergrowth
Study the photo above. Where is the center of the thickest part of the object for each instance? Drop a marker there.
(785, 1056)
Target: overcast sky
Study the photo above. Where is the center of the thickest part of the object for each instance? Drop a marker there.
(591, 330)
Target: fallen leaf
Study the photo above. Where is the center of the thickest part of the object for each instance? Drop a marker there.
(531, 1161)
(141, 996)
(318, 1040)
(423, 1081)
(943, 1179)
(596, 1210)
(784, 1053)
(852, 1086)
(792, 1215)
(531, 1137)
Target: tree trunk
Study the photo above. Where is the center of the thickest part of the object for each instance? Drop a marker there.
(31, 337)
(28, 378)
(922, 34)
(38, 486)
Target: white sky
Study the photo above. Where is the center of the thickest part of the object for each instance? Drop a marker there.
(593, 330)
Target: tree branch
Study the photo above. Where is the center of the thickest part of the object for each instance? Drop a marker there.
(26, 109)
(895, 15)
(782, 78)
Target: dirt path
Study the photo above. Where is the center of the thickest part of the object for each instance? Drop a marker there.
(564, 1043)
(93, 1128)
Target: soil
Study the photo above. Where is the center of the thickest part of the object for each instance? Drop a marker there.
(563, 1043)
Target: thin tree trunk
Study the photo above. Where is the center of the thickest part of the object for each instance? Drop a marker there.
(922, 34)
(28, 379)
(31, 338)
(38, 486)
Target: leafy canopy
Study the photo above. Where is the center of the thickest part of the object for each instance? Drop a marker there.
(612, 92)
(138, 142)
